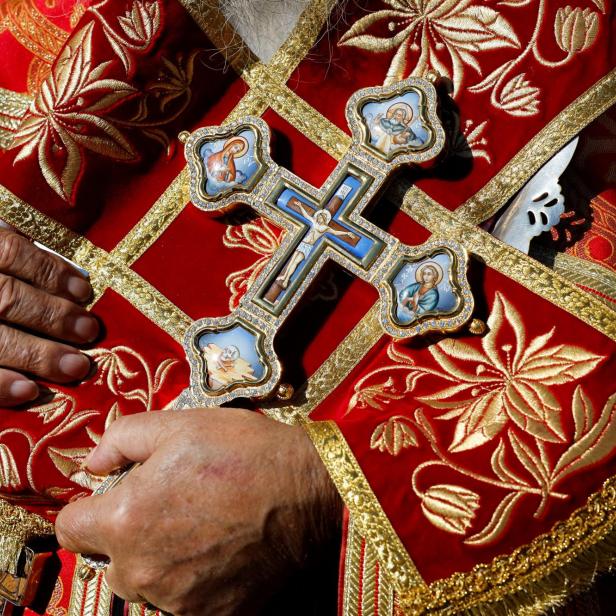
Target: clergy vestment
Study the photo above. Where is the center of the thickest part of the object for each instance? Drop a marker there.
(477, 468)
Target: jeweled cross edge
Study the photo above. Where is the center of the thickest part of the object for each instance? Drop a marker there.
(422, 288)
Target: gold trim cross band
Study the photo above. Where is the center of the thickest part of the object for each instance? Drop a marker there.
(422, 288)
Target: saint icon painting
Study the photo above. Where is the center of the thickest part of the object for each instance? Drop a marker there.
(424, 288)
(229, 163)
(396, 124)
(231, 358)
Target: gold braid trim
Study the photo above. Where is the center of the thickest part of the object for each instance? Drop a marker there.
(18, 527)
(586, 273)
(105, 270)
(302, 38)
(533, 577)
(363, 505)
(516, 265)
(568, 123)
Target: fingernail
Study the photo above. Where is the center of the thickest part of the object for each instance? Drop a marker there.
(79, 288)
(86, 328)
(74, 365)
(23, 389)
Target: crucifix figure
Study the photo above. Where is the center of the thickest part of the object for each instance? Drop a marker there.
(321, 225)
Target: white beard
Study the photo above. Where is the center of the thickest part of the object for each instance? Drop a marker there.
(263, 24)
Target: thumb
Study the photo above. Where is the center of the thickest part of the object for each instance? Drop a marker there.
(129, 439)
(78, 525)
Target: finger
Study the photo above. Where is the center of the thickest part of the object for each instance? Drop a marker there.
(80, 526)
(21, 258)
(16, 389)
(37, 310)
(117, 582)
(128, 439)
(44, 358)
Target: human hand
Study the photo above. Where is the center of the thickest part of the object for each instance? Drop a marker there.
(39, 293)
(226, 505)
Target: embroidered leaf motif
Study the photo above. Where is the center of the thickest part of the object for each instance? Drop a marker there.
(446, 35)
(595, 444)
(68, 462)
(519, 97)
(375, 396)
(393, 436)
(498, 522)
(57, 408)
(9, 473)
(67, 117)
(507, 380)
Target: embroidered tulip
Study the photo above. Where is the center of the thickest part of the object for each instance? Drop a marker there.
(450, 508)
(141, 22)
(575, 29)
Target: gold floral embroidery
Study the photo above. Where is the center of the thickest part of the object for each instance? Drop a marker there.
(260, 237)
(448, 35)
(66, 116)
(431, 28)
(503, 392)
(127, 376)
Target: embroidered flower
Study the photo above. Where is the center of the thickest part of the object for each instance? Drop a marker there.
(450, 508)
(575, 29)
(66, 117)
(507, 380)
(439, 31)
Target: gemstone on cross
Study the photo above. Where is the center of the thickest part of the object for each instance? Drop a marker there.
(421, 288)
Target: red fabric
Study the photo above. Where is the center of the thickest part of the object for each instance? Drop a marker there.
(203, 264)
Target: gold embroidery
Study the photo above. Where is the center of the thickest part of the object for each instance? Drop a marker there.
(587, 274)
(575, 29)
(54, 608)
(89, 597)
(13, 107)
(590, 105)
(449, 507)
(535, 575)
(263, 239)
(301, 39)
(363, 505)
(511, 262)
(104, 270)
(333, 370)
(427, 27)
(463, 31)
(352, 571)
(54, 127)
(506, 381)
(18, 527)
(393, 435)
(33, 30)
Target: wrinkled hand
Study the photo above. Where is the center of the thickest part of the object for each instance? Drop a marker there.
(225, 506)
(39, 292)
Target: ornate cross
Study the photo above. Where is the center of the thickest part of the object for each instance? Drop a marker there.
(422, 288)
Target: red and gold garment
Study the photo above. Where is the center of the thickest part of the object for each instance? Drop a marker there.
(477, 469)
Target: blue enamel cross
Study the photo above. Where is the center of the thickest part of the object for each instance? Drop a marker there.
(422, 288)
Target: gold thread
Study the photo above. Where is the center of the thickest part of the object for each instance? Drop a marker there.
(301, 39)
(89, 597)
(18, 527)
(369, 580)
(352, 559)
(516, 265)
(104, 269)
(568, 123)
(157, 219)
(13, 106)
(363, 505)
(535, 576)
(586, 273)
